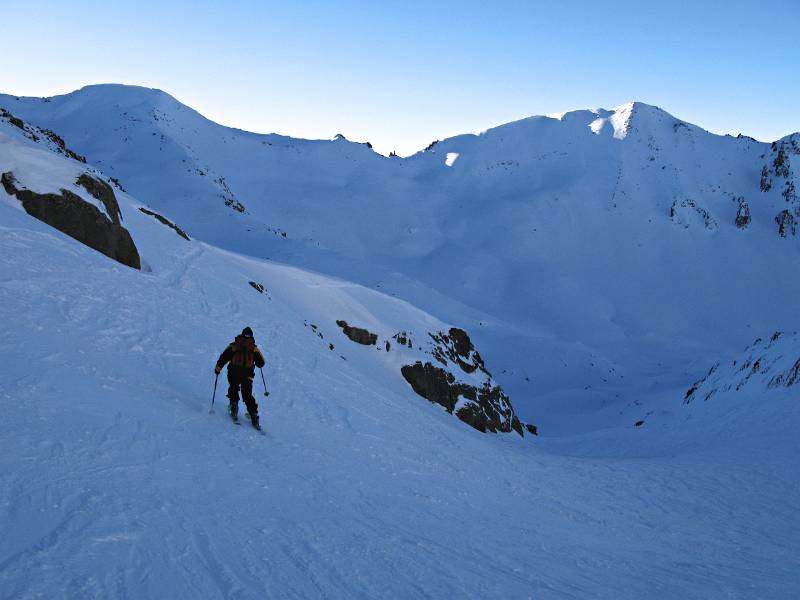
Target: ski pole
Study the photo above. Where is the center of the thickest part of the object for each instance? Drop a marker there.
(266, 393)
(214, 395)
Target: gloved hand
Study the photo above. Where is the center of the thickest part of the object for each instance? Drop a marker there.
(217, 369)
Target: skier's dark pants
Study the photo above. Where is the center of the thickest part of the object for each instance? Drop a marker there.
(243, 381)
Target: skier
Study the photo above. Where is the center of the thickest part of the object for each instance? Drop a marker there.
(243, 355)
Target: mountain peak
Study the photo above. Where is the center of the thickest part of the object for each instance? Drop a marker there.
(637, 115)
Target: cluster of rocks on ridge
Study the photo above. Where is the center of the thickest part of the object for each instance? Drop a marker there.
(451, 373)
(766, 364)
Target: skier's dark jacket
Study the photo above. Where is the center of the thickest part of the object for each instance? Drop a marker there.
(244, 356)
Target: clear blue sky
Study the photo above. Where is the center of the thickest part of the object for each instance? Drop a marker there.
(402, 73)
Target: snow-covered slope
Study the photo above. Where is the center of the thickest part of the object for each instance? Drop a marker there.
(115, 481)
(585, 253)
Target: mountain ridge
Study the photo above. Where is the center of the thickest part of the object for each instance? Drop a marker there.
(506, 233)
(630, 108)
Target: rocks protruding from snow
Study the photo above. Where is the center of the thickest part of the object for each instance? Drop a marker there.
(53, 140)
(486, 408)
(462, 385)
(779, 165)
(80, 219)
(766, 179)
(449, 372)
(684, 211)
(357, 334)
(228, 196)
(403, 339)
(787, 224)
(100, 190)
(789, 192)
(743, 214)
(166, 222)
(456, 346)
(765, 364)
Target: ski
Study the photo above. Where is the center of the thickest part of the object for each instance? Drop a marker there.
(258, 429)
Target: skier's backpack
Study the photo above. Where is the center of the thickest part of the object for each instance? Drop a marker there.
(244, 352)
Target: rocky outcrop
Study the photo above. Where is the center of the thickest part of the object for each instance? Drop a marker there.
(451, 373)
(228, 197)
(79, 219)
(472, 395)
(485, 408)
(456, 346)
(164, 221)
(685, 210)
(100, 190)
(403, 339)
(787, 224)
(765, 184)
(37, 133)
(358, 335)
(780, 175)
(766, 364)
(743, 214)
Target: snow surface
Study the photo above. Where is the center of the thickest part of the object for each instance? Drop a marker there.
(549, 240)
(115, 481)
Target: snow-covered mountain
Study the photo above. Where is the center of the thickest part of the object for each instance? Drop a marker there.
(593, 247)
(596, 283)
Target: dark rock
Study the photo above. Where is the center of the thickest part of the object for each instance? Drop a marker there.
(456, 346)
(358, 335)
(787, 378)
(169, 224)
(62, 146)
(682, 207)
(486, 408)
(638, 423)
(786, 223)
(689, 393)
(257, 286)
(15, 121)
(403, 339)
(766, 180)
(781, 163)
(789, 193)
(101, 191)
(388, 346)
(743, 214)
(80, 220)
(532, 429)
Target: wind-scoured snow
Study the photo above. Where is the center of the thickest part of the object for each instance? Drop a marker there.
(115, 481)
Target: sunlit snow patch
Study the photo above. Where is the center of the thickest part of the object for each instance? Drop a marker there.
(451, 158)
(597, 125)
(620, 120)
